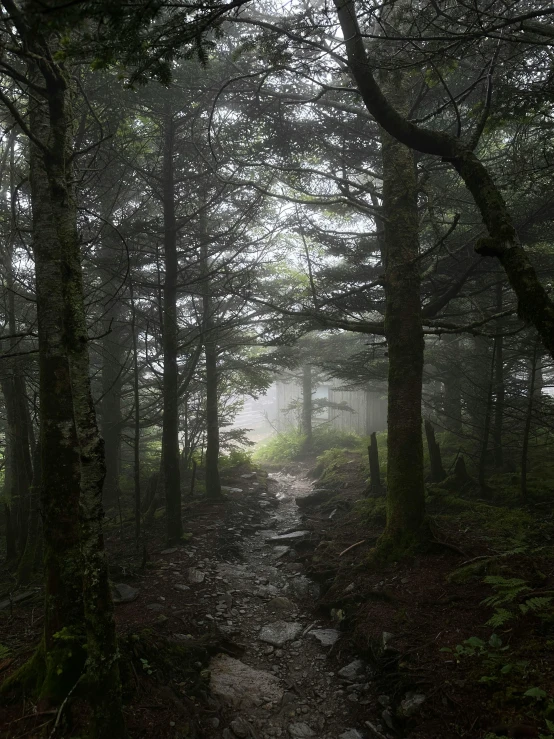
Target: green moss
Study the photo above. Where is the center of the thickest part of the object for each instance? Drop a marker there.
(372, 511)
(50, 674)
(395, 545)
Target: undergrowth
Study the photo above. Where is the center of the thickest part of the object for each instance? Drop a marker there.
(291, 446)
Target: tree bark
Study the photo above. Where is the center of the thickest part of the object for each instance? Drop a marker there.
(534, 304)
(499, 388)
(307, 406)
(375, 486)
(213, 482)
(404, 334)
(78, 605)
(136, 415)
(528, 419)
(437, 473)
(487, 426)
(170, 426)
(112, 381)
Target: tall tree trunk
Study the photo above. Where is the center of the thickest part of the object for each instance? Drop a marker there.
(375, 487)
(78, 605)
(136, 401)
(437, 473)
(404, 334)
(452, 403)
(170, 428)
(499, 389)
(213, 482)
(28, 561)
(307, 406)
(112, 381)
(487, 426)
(531, 397)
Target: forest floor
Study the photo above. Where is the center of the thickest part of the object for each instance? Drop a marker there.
(238, 633)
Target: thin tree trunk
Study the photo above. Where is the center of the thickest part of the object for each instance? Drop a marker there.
(499, 389)
(528, 419)
(487, 425)
(112, 382)
(28, 561)
(170, 430)
(375, 486)
(307, 406)
(437, 470)
(213, 482)
(136, 398)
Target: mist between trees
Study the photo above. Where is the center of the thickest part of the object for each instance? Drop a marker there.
(199, 199)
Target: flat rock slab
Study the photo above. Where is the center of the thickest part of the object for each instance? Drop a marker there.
(172, 550)
(280, 632)
(291, 538)
(241, 686)
(182, 588)
(351, 734)
(301, 731)
(122, 593)
(326, 637)
(196, 576)
(281, 551)
(227, 489)
(155, 607)
(353, 671)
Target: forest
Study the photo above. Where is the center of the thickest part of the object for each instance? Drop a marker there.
(276, 369)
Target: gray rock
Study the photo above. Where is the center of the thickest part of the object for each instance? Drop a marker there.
(240, 728)
(183, 637)
(351, 734)
(172, 550)
(122, 593)
(249, 476)
(281, 551)
(411, 704)
(386, 638)
(303, 587)
(300, 731)
(326, 637)
(353, 670)
(155, 607)
(292, 538)
(387, 718)
(241, 686)
(196, 576)
(227, 489)
(182, 588)
(280, 632)
(281, 604)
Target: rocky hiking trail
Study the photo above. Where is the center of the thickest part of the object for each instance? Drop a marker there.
(278, 668)
(222, 636)
(286, 683)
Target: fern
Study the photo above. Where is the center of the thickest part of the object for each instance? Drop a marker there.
(500, 617)
(534, 605)
(508, 589)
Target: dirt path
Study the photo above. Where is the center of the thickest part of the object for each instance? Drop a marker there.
(285, 684)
